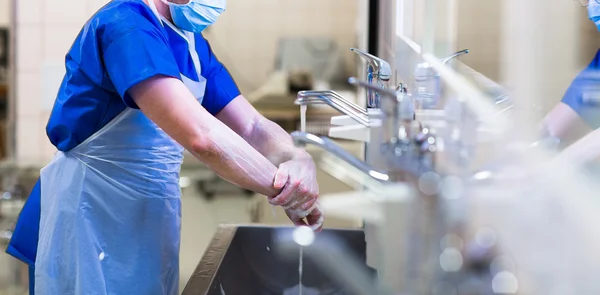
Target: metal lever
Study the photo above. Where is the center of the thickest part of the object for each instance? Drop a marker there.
(455, 55)
(382, 68)
(378, 70)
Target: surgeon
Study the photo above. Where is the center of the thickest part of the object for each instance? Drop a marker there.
(142, 85)
(581, 102)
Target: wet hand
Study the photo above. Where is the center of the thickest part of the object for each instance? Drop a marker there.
(297, 180)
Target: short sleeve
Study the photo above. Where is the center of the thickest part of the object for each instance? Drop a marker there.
(572, 96)
(221, 89)
(583, 96)
(137, 55)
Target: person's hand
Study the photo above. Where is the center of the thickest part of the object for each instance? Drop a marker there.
(297, 180)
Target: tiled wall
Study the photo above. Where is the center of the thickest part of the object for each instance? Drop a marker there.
(244, 39)
(44, 33)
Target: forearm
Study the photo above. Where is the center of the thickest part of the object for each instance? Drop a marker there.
(273, 142)
(168, 103)
(584, 150)
(559, 122)
(232, 158)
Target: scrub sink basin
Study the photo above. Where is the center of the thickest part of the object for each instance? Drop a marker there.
(249, 260)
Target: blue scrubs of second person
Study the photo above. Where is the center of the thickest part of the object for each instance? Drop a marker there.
(583, 95)
(123, 44)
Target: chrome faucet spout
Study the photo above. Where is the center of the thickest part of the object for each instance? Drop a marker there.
(334, 95)
(381, 68)
(303, 139)
(335, 101)
(455, 55)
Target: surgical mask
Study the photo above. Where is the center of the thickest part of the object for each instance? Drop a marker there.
(196, 15)
(594, 12)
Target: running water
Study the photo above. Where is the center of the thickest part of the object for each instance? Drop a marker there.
(303, 118)
(300, 273)
(302, 129)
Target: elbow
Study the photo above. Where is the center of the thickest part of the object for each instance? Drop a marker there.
(250, 129)
(202, 147)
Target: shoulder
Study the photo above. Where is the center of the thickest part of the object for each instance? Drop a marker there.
(120, 17)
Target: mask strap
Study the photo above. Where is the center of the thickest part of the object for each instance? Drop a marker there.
(189, 37)
(155, 11)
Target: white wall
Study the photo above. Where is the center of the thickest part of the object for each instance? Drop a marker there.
(5, 11)
(245, 37)
(480, 25)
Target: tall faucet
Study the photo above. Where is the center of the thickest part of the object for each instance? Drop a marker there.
(400, 114)
(336, 101)
(378, 70)
(303, 138)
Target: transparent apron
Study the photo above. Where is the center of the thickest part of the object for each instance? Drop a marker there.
(110, 218)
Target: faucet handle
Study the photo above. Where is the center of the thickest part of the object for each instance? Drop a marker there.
(382, 67)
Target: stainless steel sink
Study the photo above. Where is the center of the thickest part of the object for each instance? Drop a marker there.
(246, 260)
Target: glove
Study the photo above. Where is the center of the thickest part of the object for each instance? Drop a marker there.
(297, 180)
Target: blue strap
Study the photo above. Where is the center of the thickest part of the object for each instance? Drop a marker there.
(23, 244)
(31, 280)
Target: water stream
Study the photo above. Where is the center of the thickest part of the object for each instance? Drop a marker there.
(303, 118)
(302, 129)
(300, 273)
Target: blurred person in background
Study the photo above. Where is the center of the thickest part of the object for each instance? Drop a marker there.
(581, 102)
(142, 84)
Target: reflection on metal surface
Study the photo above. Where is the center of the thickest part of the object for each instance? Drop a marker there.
(379, 73)
(238, 261)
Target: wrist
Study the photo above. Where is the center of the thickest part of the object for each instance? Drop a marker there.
(300, 154)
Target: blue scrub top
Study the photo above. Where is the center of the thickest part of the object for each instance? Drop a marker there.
(122, 45)
(583, 96)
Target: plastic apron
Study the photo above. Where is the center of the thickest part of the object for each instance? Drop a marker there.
(110, 218)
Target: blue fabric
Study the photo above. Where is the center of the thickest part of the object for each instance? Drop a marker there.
(583, 96)
(122, 45)
(31, 280)
(23, 244)
(594, 12)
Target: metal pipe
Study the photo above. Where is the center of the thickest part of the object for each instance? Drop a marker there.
(303, 138)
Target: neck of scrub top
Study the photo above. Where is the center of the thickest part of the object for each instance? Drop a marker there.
(162, 8)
